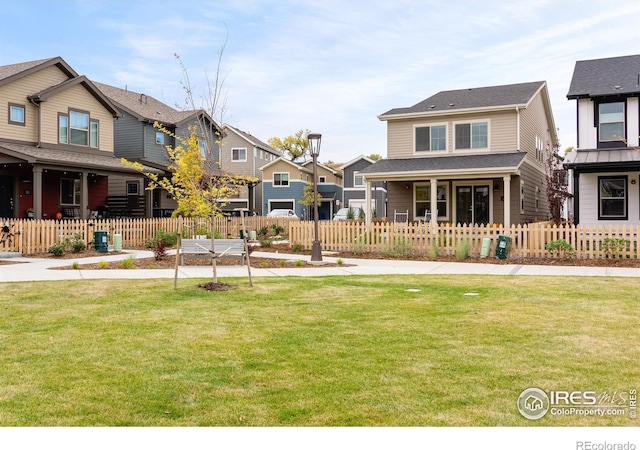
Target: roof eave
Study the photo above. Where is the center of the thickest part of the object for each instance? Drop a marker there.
(450, 112)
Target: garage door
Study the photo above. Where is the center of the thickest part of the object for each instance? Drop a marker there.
(280, 205)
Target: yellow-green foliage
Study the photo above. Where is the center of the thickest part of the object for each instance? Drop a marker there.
(196, 188)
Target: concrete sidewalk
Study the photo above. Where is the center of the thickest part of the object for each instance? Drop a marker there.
(40, 269)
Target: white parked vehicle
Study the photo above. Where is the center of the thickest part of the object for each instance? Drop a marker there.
(343, 213)
(282, 213)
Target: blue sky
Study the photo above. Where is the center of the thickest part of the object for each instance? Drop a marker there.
(328, 66)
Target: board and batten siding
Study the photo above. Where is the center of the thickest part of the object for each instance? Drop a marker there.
(502, 134)
(76, 97)
(17, 92)
(589, 199)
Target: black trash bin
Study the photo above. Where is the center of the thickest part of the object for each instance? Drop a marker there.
(503, 246)
(100, 241)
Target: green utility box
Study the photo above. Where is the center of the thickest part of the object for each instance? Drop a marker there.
(100, 241)
(503, 246)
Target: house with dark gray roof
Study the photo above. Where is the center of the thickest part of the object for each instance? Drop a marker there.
(242, 153)
(138, 139)
(604, 170)
(354, 188)
(469, 156)
(56, 142)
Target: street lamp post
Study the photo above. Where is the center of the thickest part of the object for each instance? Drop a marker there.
(314, 149)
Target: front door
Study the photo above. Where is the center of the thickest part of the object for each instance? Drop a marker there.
(6, 196)
(472, 204)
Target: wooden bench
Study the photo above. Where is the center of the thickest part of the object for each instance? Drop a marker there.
(201, 248)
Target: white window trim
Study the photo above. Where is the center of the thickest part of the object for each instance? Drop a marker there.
(471, 150)
(359, 186)
(448, 200)
(273, 181)
(239, 159)
(322, 179)
(24, 114)
(431, 152)
(159, 138)
(133, 183)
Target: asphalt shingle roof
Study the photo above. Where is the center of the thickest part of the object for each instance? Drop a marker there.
(446, 163)
(607, 76)
(144, 106)
(483, 97)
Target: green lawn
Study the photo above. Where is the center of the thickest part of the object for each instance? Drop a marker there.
(326, 351)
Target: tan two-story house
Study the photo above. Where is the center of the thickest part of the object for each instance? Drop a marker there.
(469, 156)
(56, 142)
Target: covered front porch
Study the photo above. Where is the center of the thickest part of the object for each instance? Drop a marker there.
(477, 189)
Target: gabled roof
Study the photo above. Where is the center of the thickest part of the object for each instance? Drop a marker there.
(253, 140)
(462, 100)
(146, 108)
(45, 94)
(480, 165)
(607, 76)
(13, 72)
(355, 160)
(324, 166)
(291, 163)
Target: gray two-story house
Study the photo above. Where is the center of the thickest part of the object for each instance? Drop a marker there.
(354, 188)
(243, 154)
(137, 139)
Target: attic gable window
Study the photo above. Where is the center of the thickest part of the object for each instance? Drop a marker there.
(16, 114)
(430, 138)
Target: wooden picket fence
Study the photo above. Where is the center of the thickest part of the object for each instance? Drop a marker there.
(526, 241)
(33, 237)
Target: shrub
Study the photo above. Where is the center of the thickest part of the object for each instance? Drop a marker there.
(434, 251)
(340, 262)
(561, 246)
(128, 263)
(75, 265)
(400, 247)
(282, 263)
(103, 264)
(613, 247)
(264, 265)
(462, 249)
(78, 245)
(297, 248)
(362, 215)
(277, 229)
(170, 239)
(299, 263)
(160, 250)
(58, 249)
(263, 231)
(265, 243)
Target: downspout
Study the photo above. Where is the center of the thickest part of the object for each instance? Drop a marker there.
(37, 105)
(518, 128)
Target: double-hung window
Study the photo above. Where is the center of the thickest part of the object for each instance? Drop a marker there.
(281, 179)
(78, 128)
(69, 192)
(423, 200)
(611, 122)
(16, 114)
(430, 138)
(358, 180)
(473, 135)
(238, 154)
(612, 198)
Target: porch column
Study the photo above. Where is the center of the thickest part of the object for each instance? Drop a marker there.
(507, 200)
(367, 202)
(84, 196)
(433, 203)
(148, 198)
(37, 192)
